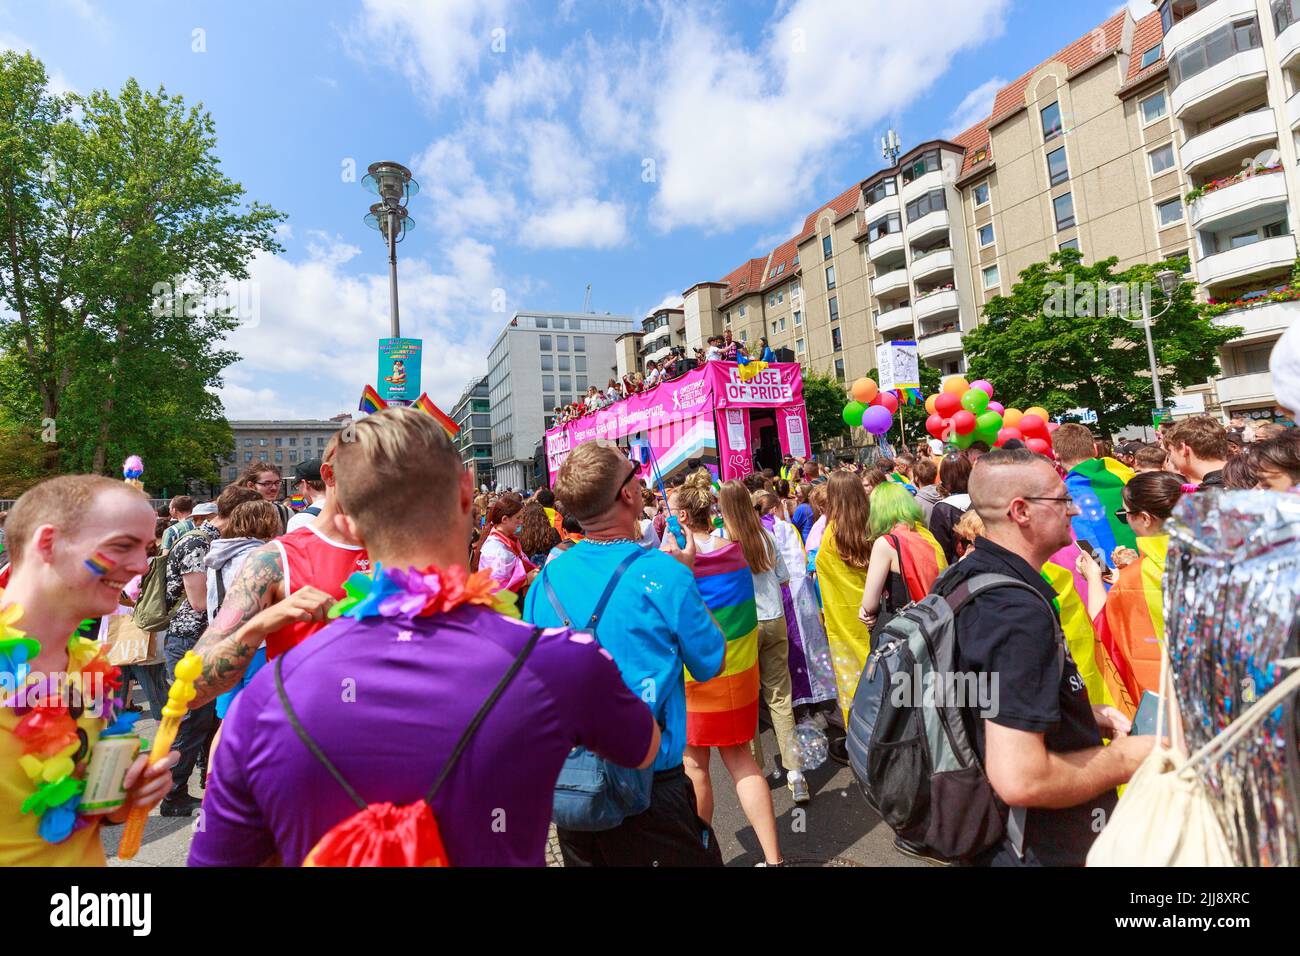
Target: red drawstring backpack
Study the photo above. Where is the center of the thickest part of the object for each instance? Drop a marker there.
(383, 834)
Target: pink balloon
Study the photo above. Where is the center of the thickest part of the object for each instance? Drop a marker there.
(983, 386)
(935, 425)
(1038, 446)
(890, 401)
(1032, 425)
(1053, 426)
(1005, 435)
(996, 407)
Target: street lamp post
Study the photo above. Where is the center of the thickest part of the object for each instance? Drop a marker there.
(1168, 281)
(393, 184)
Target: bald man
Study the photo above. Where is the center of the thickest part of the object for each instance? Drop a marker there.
(1042, 750)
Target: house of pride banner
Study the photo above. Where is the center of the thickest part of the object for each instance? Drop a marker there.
(677, 417)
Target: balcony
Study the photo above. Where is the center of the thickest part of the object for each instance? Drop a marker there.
(922, 185)
(1237, 79)
(932, 263)
(939, 345)
(1236, 139)
(889, 282)
(1234, 265)
(935, 305)
(894, 321)
(1231, 205)
(659, 353)
(1253, 389)
(1260, 322)
(1204, 21)
(881, 207)
(891, 244)
(1288, 45)
(928, 226)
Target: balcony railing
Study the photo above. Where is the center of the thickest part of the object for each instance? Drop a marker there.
(1243, 135)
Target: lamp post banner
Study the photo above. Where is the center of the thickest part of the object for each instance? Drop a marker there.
(399, 369)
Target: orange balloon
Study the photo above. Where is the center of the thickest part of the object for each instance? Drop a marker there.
(956, 384)
(1039, 411)
(864, 390)
(929, 404)
(1011, 418)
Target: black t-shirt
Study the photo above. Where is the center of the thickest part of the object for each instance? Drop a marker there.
(1009, 635)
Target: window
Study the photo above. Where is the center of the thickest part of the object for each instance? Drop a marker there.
(292, 442)
(261, 442)
(1214, 48)
(982, 193)
(1285, 13)
(582, 383)
(839, 369)
(884, 226)
(261, 456)
(981, 154)
(1169, 212)
(1051, 121)
(833, 307)
(575, 324)
(566, 383)
(541, 323)
(248, 443)
(927, 162)
(930, 202)
(567, 399)
(991, 276)
(986, 234)
(781, 324)
(774, 328)
(562, 343)
(835, 338)
(1064, 206)
(579, 343)
(1153, 108)
(580, 363)
(1058, 170)
(726, 317)
(1180, 261)
(830, 277)
(548, 383)
(826, 247)
(548, 362)
(248, 456)
(771, 300)
(1162, 158)
(564, 363)
(798, 346)
(886, 187)
(780, 295)
(544, 343)
(1150, 56)
(742, 311)
(320, 442)
(798, 318)
(1069, 244)
(279, 443)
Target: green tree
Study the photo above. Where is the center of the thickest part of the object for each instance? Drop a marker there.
(824, 398)
(913, 416)
(119, 231)
(1060, 340)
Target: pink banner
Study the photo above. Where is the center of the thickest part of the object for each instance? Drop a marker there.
(776, 385)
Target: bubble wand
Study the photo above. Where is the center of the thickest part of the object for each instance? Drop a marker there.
(178, 698)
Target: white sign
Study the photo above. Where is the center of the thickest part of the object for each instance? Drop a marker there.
(897, 366)
(1193, 403)
(736, 429)
(1085, 416)
(794, 436)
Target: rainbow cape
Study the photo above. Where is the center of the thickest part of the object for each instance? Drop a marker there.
(922, 559)
(370, 401)
(425, 404)
(1132, 627)
(1079, 635)
(723, 712)
(1097, 486)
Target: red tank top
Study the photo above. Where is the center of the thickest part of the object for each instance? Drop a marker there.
(310, 558)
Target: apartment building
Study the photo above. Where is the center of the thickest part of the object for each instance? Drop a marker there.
(539, 361)
(1098, 148)
(472, 412)
(660, 332)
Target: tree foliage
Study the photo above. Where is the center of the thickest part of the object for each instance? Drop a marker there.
(119, 229)
(824, 398)
(1061, 341)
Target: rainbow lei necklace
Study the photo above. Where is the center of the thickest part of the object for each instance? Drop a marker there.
(53, 744)
(390, 592)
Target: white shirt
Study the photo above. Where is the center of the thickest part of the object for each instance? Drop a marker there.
(767, 585)
(714, 354)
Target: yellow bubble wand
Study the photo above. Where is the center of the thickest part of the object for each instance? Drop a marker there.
(178, 698)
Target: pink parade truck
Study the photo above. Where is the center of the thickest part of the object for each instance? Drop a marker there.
(732, 426)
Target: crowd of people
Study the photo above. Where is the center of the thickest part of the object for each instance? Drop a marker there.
(720, 348)
(408, 641)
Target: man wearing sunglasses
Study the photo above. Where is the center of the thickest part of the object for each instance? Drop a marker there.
(1042, 745)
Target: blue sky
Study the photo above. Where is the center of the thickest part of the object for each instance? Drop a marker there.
(639, 145)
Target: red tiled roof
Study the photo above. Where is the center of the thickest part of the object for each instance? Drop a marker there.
(744, 280)
(973, 140)
(1146, 34)
(1096, 43)
(842, 204)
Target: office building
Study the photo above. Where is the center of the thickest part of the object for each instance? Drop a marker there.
(472, 412)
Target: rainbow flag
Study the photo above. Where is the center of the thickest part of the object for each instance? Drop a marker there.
(1080, 637)
(1097, 486)
(922, 556)
(370, 401)
(298, 502)
(100, 564)
(723, 712)
(1132, 627)
(909, 396)
(425, 404)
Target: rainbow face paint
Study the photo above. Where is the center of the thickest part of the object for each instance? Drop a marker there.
(100, 564)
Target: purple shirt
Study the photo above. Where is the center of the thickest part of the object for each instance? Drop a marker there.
(387, 699)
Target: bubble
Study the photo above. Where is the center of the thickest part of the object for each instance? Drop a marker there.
(811, 745)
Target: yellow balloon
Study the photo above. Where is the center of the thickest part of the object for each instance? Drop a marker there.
(1039, 411)
(956, 384)
(929, 404)
(1011, 418)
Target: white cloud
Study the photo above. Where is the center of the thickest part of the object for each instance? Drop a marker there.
(557, 162)
(533, 81)
(582, 223)
(460, 200)
(437, 46)
(975, 106)
(743, 131)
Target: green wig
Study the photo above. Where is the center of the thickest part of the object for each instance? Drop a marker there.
(891, 503)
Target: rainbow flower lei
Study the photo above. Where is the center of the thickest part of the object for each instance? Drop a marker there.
(53, 744)
(391, 592)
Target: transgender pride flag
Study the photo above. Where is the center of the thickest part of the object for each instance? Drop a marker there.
(723, 712)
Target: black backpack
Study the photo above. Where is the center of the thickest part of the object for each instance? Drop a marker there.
(908, 742)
